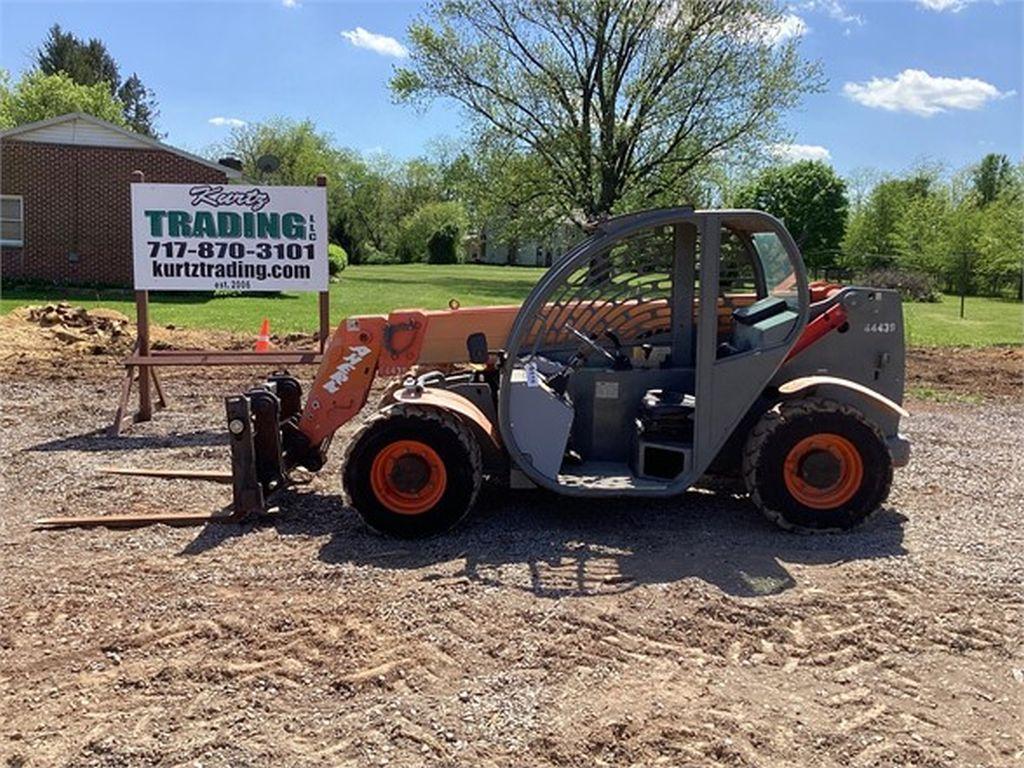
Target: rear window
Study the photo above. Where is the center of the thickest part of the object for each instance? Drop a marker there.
(779, 274)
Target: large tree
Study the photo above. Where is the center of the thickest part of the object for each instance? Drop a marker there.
(368, 197)
(1000, 237)
(302, 151)
(618, 101)
(139, 106)
(811, 199)
(872, 233)
(88, 62)
(85, 61)
(37, 97)
(991, 176)
(926, 238)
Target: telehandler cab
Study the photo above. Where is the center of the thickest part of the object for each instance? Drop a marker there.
(667, 346)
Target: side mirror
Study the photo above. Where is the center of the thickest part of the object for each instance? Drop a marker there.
(476, 345)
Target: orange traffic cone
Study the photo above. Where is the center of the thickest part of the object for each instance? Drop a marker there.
(263, 340)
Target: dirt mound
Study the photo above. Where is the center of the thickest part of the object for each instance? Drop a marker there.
(59, 329)
(77, 325)
(51, 337)
(986, 372)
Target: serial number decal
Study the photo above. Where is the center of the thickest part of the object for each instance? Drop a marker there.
(344, 370)
(880, 328)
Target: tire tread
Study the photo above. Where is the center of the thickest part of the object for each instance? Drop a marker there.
(765, 429)
(447, 420)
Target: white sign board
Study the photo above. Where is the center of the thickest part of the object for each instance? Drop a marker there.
(237, 237)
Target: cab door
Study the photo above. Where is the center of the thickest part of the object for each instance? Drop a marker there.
(731, 374)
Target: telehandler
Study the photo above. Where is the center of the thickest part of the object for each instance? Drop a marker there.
(667, 346)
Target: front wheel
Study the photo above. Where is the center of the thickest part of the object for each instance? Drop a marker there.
(816, 465)
(413, 471)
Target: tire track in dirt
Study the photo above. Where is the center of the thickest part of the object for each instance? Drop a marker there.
(541, 632)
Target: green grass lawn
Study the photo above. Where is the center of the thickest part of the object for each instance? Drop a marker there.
(363, 290)
(986, 322)
(367, 290)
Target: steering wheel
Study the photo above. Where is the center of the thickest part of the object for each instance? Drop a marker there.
(619, 362)
(590, 342)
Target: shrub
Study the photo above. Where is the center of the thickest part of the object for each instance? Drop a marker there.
(337, 259)
(442, 248)
(372, 256)
(418, 229)
(912, 285)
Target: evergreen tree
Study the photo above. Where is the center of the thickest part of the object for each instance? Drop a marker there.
(88, 62)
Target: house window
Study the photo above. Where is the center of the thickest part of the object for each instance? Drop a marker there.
(12, 220)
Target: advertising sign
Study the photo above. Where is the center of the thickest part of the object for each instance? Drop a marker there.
(206, 237)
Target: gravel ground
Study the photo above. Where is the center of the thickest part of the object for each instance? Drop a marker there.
(542, 632)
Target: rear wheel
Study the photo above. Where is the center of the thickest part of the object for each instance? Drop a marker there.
(413, 471)
(816, 465)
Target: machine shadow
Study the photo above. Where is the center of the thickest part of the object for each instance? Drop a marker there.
(98, 440)
(559, 547)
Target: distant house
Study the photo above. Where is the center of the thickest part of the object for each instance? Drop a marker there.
(65, 209)
(488, 248)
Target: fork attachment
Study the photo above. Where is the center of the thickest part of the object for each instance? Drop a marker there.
(246, 488)
(265, 442)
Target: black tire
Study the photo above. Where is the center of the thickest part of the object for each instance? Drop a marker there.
(442, 432)
(784, 427)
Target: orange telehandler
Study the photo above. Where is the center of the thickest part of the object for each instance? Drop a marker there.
(668, 345)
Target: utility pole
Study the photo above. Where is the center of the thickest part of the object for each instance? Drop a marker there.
(964, 264)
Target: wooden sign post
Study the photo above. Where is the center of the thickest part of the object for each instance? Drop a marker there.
(325, 296)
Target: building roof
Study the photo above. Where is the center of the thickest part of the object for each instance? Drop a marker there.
(85, 130)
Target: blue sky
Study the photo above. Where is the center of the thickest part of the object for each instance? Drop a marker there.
(908, 81)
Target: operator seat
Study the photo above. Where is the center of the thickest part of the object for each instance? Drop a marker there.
(666, 415)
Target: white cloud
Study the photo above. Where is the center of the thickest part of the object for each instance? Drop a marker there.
(915, 91)
(232, 122)
(290, 3)
(939, 6)
(382, 44)
(794, 152)
(835, 10)
(776, 31)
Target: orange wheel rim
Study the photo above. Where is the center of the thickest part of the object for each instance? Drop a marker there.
(408, 477)
(823, 471)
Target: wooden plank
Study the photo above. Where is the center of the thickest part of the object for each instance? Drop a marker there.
(211, 475)
(135, 521)
(142, 326)
(284, 353)
(122, 403)
(233, 352)
(161, 401)
(325, 319)
(145, 412)
(216, 358)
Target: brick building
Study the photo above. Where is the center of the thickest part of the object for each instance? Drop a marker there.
(65, 208)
